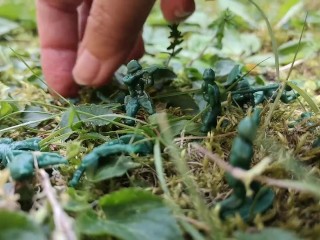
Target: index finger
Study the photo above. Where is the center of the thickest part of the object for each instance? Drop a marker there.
(58, 32)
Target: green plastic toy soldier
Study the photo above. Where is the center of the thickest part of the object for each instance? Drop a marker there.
(266, 93)
(241, 156)
(126, 144)
(136, 80)
(245, 97)
(270, 94)
(20, 156)
(239, 86)
(211, 94)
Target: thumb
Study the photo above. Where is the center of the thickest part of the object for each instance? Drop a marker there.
(177, 10)
(112, 31)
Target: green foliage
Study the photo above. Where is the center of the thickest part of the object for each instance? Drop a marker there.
(96, 115)
(306, 97)
(35, 115)
(267, 234)
(19, 226)
(77, 201)
(22, 11)
(176, 40)
(131, 214)
(272, 37)
(225, 20)
(114, 167)
(6, 26)
(5, 109)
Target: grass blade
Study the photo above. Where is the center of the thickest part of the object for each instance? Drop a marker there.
(306, 97)
(273, 39)
(159, 168)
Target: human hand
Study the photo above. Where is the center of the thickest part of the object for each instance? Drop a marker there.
(84, 41)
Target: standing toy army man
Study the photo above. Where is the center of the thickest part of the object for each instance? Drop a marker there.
(136, 79)
(211, 94)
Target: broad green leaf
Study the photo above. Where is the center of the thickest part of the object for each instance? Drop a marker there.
(193, 73)
(267, 234)
(273, 39)
(185, 102)
(5, 109)
(4, 89)
(74, 120)
(177, 125)
(202, 104)
(6, 26)
(93, 136)
(234, 73)
(78, 201)
(34, 113)
(306, 97)
(18, 226)
(263, 59)
(73, 148)
(313, 18)
(235, 43)
(91, 114)
(19, 10)
(188, 127)
(131, 214)
(290, 48)
(199, 18)
(285, 7)
(240, 9)
(289, 10)
(223, 67)
(114, 167)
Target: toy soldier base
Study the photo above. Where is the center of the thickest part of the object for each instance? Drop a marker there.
(250, 207)
(133, 104)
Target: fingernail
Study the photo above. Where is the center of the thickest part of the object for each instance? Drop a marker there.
(180, 14)
(86, 69)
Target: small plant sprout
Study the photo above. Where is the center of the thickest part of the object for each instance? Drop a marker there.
(176, 40)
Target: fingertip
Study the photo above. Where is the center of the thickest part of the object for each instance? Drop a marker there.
(91, 71)
(110, 39)
(138, 50)
(57, 68)
(72, 91)
(178, 10)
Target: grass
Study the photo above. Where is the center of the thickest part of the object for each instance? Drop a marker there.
(187, 175)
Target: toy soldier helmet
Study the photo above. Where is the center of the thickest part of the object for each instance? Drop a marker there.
(209, 74)
(247, 128)
(133, 66)
(288, 88)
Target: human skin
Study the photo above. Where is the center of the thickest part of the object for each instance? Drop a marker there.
(84, 41)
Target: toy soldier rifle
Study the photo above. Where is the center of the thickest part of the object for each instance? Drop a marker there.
(258, 89)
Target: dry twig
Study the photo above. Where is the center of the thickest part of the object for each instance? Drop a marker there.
(243, 175)
(63, 223)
